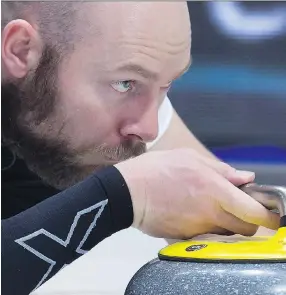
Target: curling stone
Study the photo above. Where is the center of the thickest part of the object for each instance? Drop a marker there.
(245, 266)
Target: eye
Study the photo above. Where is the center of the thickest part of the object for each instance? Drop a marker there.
(122, 86)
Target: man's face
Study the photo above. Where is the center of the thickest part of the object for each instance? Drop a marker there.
(99, 104)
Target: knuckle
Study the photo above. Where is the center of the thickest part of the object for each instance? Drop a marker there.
(188, 152)
(226, 169)
(225, 166)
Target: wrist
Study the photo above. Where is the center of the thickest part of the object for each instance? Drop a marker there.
(119, 198)
(137, 191)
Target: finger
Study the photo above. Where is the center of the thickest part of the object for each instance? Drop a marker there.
(244, 207)
(222, 231)
(236, 177)
(239, 177)
(236, 225)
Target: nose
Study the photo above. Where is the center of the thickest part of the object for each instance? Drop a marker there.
(144, 125)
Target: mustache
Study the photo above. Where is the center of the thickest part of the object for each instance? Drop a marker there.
(126, 150)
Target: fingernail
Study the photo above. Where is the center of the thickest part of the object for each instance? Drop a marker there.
(245, 173)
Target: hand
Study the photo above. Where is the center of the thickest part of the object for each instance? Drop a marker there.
(180, 194)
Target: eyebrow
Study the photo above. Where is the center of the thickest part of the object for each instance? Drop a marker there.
(147, 74)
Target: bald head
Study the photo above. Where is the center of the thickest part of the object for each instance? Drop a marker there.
(85, 80)
(60, 21)
(156, 18)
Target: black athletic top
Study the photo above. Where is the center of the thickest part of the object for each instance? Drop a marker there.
(43, 229)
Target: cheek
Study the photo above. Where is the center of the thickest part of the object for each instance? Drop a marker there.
(87, 121)
(88, 125)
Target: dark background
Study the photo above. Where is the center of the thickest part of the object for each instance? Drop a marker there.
(235, 91)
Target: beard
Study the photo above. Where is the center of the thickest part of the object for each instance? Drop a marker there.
(29, 104)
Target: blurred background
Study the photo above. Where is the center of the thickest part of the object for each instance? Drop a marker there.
(234, 96)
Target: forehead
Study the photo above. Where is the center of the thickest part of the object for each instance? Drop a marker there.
(165, 16)
(151, 34)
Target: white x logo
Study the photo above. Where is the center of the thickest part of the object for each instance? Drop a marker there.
(22, 241)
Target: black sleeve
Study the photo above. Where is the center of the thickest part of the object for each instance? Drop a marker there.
(40, 241)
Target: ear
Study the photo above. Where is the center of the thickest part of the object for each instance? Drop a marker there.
(21, 48)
